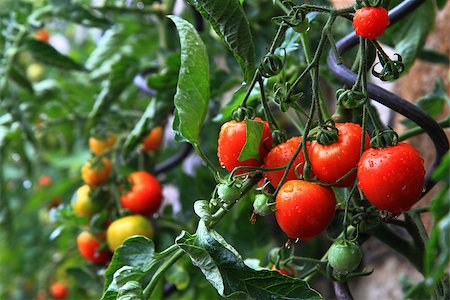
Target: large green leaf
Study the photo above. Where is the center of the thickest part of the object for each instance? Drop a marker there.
(409, 35)
(229, 21)
(192, 97)
(79, 14)
(226, 271)
(108, 45)
(45, 53)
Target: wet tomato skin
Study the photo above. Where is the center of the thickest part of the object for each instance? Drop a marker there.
(279, 156)
(392, 178)
(232, 138)
(304, 209)
(331, 162)
(370, 22)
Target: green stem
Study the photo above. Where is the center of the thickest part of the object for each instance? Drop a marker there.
(419, 130)
(163, 268)
(205, 159)
(270, 119)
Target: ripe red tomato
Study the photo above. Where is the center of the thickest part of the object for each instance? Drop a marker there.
(280, 156)
(58, 290)
(42, 35)
(145, 196)
(45, 180)
(331, 162)
(99, 145)
(304, 209)
(94, 176)
(392, 178)
(232, 138)
(153, 140)
(370, 22)
(88, 247)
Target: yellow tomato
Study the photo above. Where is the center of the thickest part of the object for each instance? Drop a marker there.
(83, 205)
(126, 227)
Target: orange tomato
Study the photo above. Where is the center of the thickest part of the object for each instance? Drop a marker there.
(97, 174)
(88, 247)
(42, 35)
(100, 145)
(153, 140)
(45, 180)
(58, 290)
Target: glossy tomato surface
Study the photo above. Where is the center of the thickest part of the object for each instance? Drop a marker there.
(96, 175)
(145, 195)
(392, 178)
(304, 209)
(88, 246)
(370, 22)
(232, 138)
(123, 228)
(153, 140)
(279, 156)
(331, 162)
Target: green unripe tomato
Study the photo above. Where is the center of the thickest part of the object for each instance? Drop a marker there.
(228, 193)
(344, 256)
(262, 206)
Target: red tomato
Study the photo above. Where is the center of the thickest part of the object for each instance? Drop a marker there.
(232, 138)
(330, 162)
(145, 196)
(42, 35)
(153, 140)
(392, 178)
(304, 209)
(58, 290)
(370, 22)
(94, 176)
(45, 180)
(88, 246)
(280, 156)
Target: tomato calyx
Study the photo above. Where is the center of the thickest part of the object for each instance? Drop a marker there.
(368, 3)
(328, 133)
(350, 98)
(240, 113)
(384, 139)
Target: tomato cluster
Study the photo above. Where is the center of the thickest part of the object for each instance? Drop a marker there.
(391, 178)
(140, 195)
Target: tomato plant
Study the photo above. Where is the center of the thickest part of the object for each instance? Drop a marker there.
(277, 158)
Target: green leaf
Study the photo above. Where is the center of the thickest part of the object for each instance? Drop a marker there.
(192, 97)
(109, 44)
(79, 14)
(136, 252)
(409, 35)
(229, 21)
(178, 276)
(155, 112)
(441, 3)
(253, 135)
(290, 43)
(432, 56)
(121, 76)
(132, 290)
(18, 77)
(45, 53)
(120, 280)
(227, 272)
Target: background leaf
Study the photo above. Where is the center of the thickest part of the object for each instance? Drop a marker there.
(192, 97)
(229, 21)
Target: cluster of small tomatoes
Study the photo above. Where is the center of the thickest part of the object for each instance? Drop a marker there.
(390, 178)
(140, 197)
